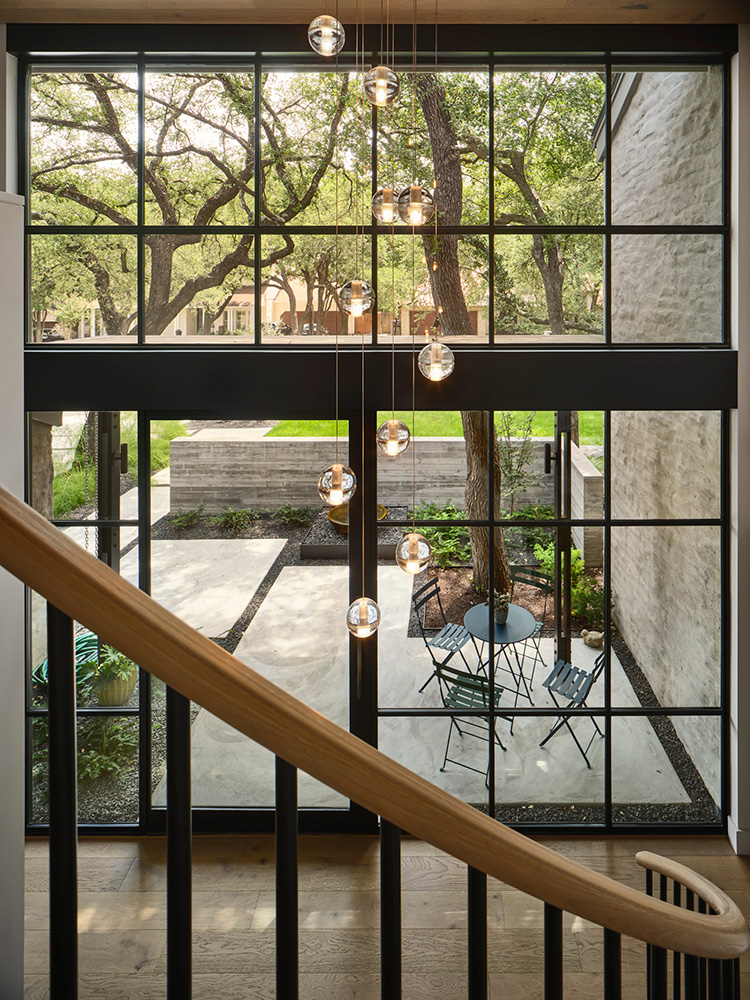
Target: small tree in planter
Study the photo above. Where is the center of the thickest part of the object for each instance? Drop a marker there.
(114, 677)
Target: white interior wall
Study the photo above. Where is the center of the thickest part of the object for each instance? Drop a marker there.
(11, 591)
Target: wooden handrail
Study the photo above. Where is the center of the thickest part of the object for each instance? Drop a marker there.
(86, 589)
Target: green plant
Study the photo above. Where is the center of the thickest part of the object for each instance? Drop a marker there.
(112, 665)
(449, 545)
(106, 746)
(236, 521)
(535, 512)
(187, 518)
(587, 600)
(514, 449)
(293, 515)
(586, 593)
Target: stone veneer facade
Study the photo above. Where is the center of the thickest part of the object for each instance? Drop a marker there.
(666, 581)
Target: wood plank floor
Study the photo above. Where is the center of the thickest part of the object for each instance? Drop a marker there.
(122, 919)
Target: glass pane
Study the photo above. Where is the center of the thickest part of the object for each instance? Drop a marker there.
(83, 148)
(107, 770)
(667, 288)
(423, 280)
(200, 148)
(666, 589)
(83, 289)
(200, 289)
(67, 449)
(303, 278)
(450, 112)
(249, 557)
(542, 776)
(666, 464)
(666, 769)
(314, 147)
(548, 289)
(666, 146)
(548, 170)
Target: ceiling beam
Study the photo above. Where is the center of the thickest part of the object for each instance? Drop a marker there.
(449, 11)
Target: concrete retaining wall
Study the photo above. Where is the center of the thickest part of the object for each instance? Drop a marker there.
(587, 500)
(220, 469)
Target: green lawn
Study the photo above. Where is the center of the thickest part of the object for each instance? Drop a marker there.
(442, 423)
(70, 486)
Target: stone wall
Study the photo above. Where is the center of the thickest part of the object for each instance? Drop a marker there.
(241, 470)
(666, 157)
(666, 170)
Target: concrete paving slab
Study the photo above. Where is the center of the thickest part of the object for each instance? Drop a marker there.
(128, 512)
(207, 583)
(298, 640)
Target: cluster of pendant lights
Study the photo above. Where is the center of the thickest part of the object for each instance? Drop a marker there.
(415, 206)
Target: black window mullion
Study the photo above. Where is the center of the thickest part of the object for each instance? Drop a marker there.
(491, 207)
(258, 180)
(141, 197)
(608, 201)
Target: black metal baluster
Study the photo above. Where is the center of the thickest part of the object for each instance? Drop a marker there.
(649, 950)
(692, 970)
(287, 886)
(63, 808)
(179, 850)
(390, 911)
(658, 972)
(612, 965)
(677, 957)
(703, 964)
(736, 964)
(477, 934)
(727, 979)
(714, 979)
(553, 953)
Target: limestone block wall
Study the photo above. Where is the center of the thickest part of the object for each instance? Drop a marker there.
(245, 471)
(666, 581)
(587, 501)
(666, 169)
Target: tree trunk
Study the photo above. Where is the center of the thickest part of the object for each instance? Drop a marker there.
(477, 476)
(574, 435)
(446, 288)
(549, 260)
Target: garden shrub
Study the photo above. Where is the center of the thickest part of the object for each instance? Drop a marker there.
(449, 545)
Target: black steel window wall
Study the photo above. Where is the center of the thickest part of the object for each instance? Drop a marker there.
(674, 367)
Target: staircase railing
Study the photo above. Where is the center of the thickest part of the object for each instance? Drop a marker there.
(80, 586)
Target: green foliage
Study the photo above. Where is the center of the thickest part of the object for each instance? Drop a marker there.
(514, 438)
(187, 518)
(293, 515)
(587, 600)
(586, 593)
(86, 650)
(106, 746)
(236, 521)
(111, 665)
(449, 545)
(535, 512)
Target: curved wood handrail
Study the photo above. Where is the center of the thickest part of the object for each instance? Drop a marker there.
(689, 879)
(85, 589)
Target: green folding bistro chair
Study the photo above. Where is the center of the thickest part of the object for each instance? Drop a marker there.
(450, 639)
(460, 690)
(542, 581)
(573, 685)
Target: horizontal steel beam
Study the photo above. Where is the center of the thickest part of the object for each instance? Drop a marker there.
(288, 381)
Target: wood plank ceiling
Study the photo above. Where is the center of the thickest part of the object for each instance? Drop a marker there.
(449, 11)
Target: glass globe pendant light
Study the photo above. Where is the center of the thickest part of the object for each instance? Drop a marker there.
(393, 437)
(326, 35)
(436, 361)
(413, 553)
(381, 86)
(356, 297)
(416, 205)
(337, 484)
(384, 206)
(363, 617)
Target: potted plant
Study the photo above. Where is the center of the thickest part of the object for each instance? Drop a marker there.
(114, 677)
